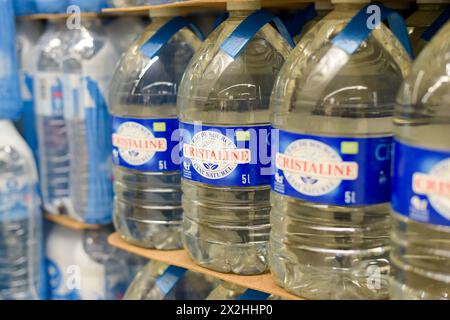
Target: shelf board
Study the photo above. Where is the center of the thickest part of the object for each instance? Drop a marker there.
(180, 258)
(207, 4)
(70, 222)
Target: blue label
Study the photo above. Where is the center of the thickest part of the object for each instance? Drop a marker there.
(146, 144)
(226, 156)
(421, 184)
(333, 170)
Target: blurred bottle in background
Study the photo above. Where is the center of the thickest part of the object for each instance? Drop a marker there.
(81, 265)
(89, 60)
(21, 266)
(159, 281)
(53, 143)
(28, 34)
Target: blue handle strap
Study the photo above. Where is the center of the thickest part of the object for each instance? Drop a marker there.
(296, 22)
(167, 281)
(251, 294)
(165, 33)
(436, 25)
(358, 29)
(244, 32)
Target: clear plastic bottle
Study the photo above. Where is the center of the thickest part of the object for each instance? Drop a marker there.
(88, 66)
(226, 206)
(421, 179)
(123, 31)
(428, 11)
(147, 188)
(82, 266)
(28, 34)
(330, 231)
(20, 219)
(226, 220)
(187, 285)
(51, 128)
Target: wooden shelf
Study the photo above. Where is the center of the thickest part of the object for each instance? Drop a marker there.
(69, 222)
(207, 4)
(180, 258)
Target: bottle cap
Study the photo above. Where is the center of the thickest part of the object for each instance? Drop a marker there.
(243, 5)
(10, 100)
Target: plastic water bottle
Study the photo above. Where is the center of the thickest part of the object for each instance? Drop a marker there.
(332, 112)
(53, 142)
(223, 105)
(82, 266)
(20, 216)
(419, 22)
(20, 219)
(147, 205)
(159, 281)
(88, 67)
(226, 291)
(421, 178)
(28, 34)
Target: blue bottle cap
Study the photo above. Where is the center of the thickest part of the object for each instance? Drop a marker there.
(10, 100)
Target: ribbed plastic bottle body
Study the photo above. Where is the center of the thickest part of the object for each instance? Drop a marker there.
(420, 21)
(326, 240)
(20, 220)
(226, 228)
(88, 69)
(421, 218)
(53, 142)
(147, 205)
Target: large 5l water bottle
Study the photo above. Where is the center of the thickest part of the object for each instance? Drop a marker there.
(53, 142)
(331, 107)
(143, 101)
(20, 216)
(28, 34)
(223, 106)
(421, 178)
(88, 67)
(419, 22)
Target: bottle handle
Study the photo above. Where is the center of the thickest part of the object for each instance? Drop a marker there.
(167, 281)
(245, 31)
(436, 25)
(153, 45)
(358, 29)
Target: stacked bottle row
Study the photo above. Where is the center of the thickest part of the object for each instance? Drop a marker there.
(71, 75)
(284, 154)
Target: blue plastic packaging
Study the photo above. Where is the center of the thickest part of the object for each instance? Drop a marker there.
(10, 101)
(51, 6)
(89, 5)
(24, 7)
